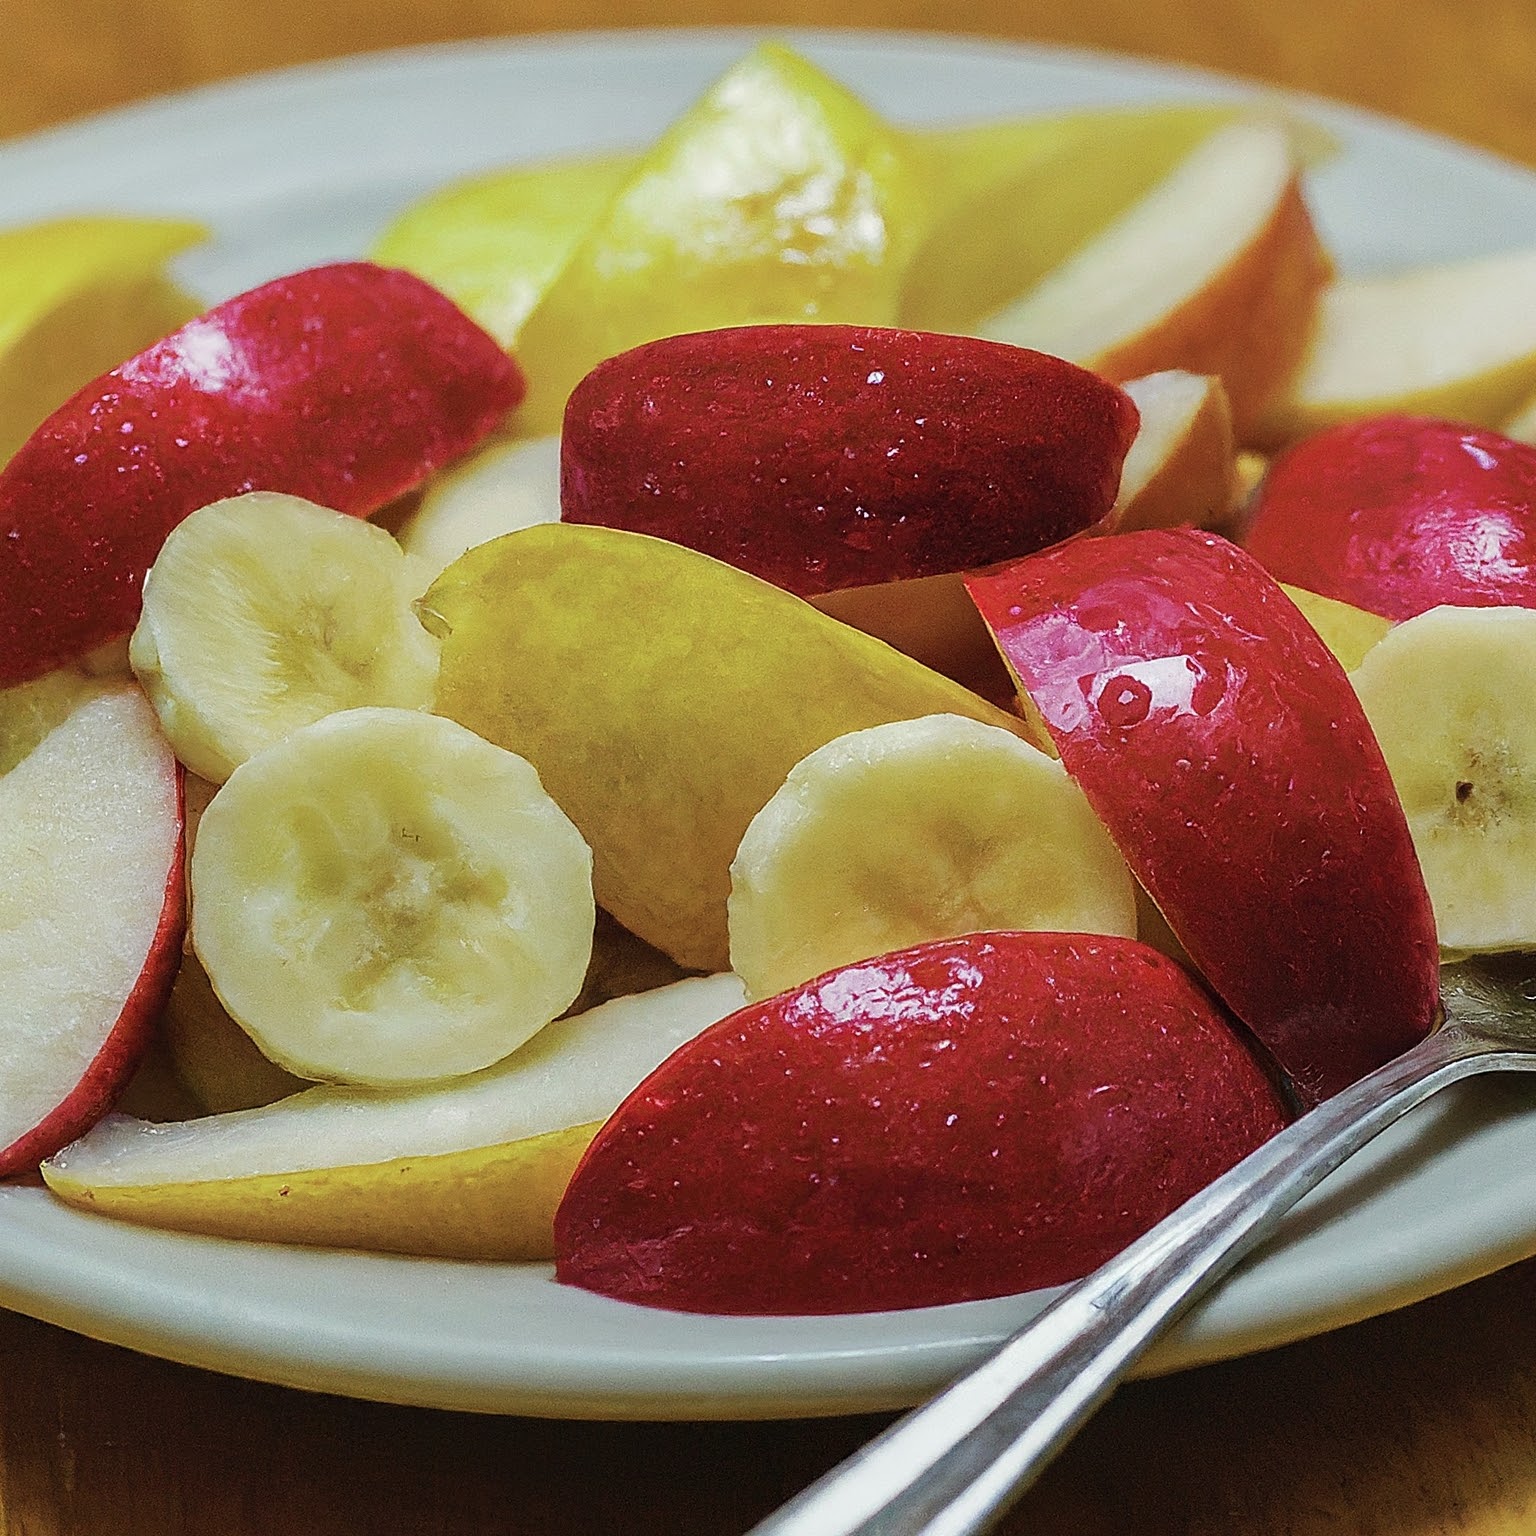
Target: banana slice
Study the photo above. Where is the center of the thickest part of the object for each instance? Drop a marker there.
(504, 487)
(263, 613)
(922, 829)
(1451, 698)
(386, 898)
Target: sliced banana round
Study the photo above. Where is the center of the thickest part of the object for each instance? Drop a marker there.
(503, 487)
(386, 898)
(265, 612)
(1451, 695)
(921, 829)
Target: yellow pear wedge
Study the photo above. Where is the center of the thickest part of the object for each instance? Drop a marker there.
(471, 1170)
(77, 296)
(1347, 631)
(1456, 340)
(494, 243)
(779, 196)
(663, 697)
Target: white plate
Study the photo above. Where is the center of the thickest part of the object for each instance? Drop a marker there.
(307, 165)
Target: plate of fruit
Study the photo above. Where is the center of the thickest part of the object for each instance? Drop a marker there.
(684, 715)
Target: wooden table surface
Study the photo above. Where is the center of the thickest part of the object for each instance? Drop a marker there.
(1420, 1422)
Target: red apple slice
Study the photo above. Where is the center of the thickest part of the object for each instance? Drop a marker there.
(1400, 514)
(1223, 747)
(1181, 469)
(1217, 270)
(91, 918)
(345, 385)
(967, 1118)
(856, 465)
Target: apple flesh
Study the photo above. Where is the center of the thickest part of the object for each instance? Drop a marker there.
(1223, 747)
(91, 918)
(1181, 469)
(1216, 270)
(345, 385)
(1400, 514)
(970, 1117)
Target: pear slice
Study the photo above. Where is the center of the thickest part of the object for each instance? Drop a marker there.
(917, 830)
(1456, 340)
(1216, 270)
(81, 294)
(663, 697)
(778, 196)
(1180, 469)
(1448, 694)
(1347, 631)
(494, 243)
(472, 1170)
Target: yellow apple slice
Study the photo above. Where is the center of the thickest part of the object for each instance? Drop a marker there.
(385, 898)
(509, 485)
(470, 1170)
(1347, 631)
(1012, 200)
(1457, 340)
(1448, 694)
(917, 830)
(29, 711)
(1217, 270)
(79, 296)
(779, 196)
(495, 243)
(1180, 469)
(663, 697)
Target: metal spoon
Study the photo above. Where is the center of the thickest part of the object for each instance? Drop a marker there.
(954, 1466)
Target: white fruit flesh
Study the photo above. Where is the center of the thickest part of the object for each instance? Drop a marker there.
(1456, 340)
(385, 897)
(1180, 468)
(501, 489)
(263, 613)
(922, 829)
(89, 836)
(1448, 694)
(576, 1071)
(1160, 254)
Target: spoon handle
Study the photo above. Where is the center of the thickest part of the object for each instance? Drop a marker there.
(953, 1466)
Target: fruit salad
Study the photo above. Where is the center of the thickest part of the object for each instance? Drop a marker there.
(818, 717)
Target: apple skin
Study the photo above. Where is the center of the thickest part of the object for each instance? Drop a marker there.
(1399, 514)
(109, 1071)
(344, 384)
(1222, 745)
(822, 457)
(966, 1118)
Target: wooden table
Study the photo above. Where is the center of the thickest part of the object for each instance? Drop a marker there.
(1420, 1422)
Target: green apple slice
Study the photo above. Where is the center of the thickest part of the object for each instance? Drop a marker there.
(471, 1170)
(663, 697)
(779, 196)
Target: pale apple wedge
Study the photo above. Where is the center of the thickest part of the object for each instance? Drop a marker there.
(509, 484)
(663, 697)
(1457, 341)
(1217, 270)
(92, 912)
(473, 1170)
(1180, 469)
